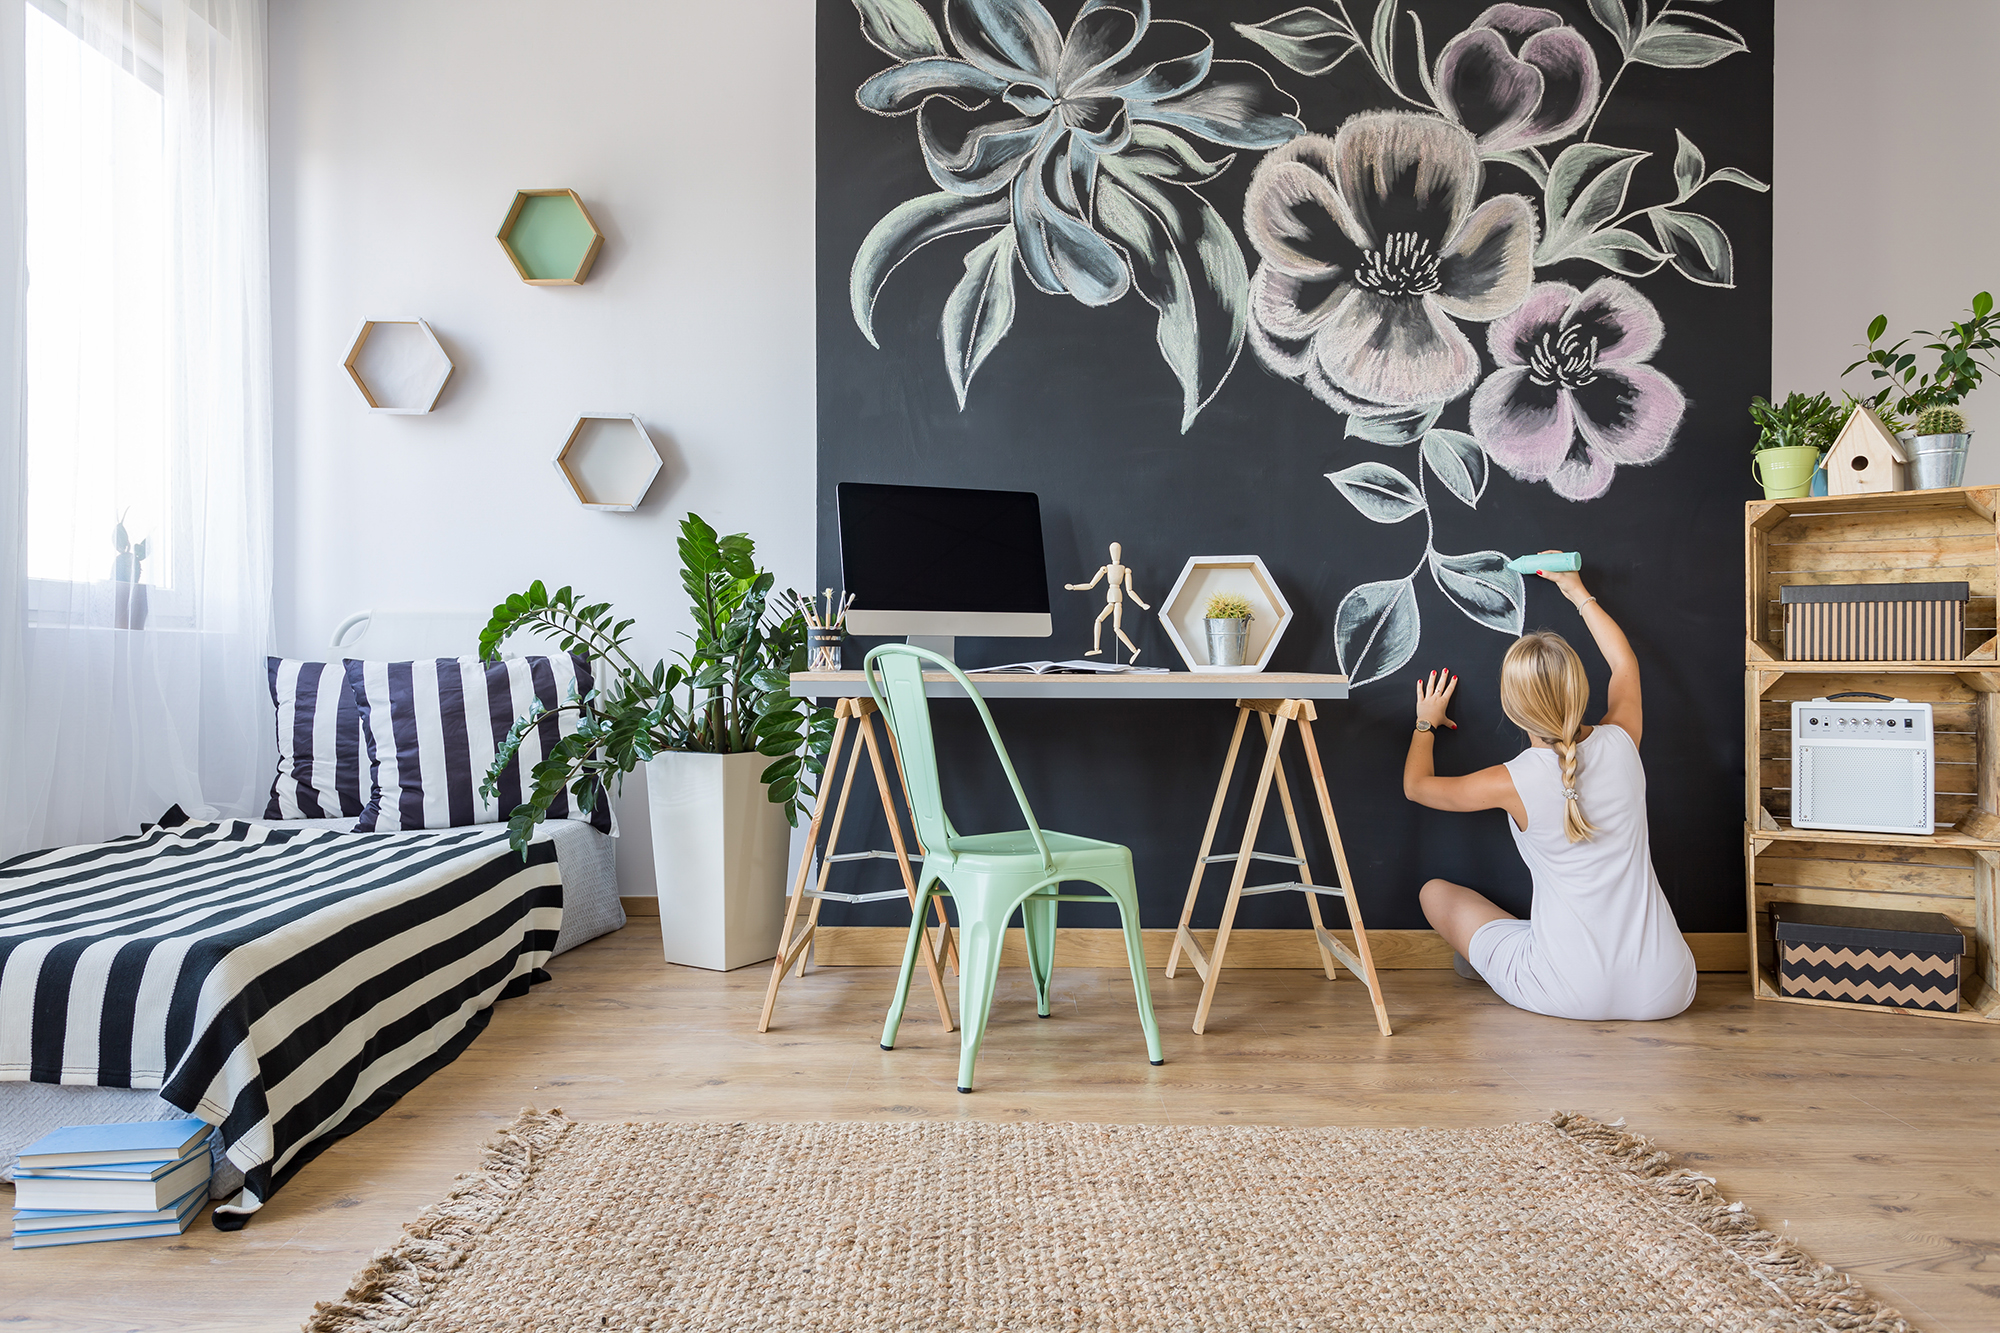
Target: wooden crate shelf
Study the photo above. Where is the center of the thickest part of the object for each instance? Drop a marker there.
(1901, 536)
(1894, 537)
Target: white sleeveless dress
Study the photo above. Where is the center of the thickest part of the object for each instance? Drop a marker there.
(1601, 941)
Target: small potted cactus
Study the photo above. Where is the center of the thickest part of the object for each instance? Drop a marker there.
(1226, 617)
(1937, 448)
(128, 604)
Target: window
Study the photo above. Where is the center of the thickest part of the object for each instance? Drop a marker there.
(97, 343)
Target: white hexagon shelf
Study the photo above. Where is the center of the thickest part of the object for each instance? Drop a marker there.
(609, 461)
(398, 364)
(1201, 578)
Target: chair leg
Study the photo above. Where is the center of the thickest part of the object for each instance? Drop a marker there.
(1038, 929)
(1135, 956)
(910, 949)
(978, 971)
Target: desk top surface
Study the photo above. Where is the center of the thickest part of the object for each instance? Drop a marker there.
(1123, 685)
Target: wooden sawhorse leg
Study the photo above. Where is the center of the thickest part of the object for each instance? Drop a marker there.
(792, 946)
(1275, 715)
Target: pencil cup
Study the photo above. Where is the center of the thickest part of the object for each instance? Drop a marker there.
(822, 649)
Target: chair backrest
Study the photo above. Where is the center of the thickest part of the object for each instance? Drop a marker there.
(895, 675)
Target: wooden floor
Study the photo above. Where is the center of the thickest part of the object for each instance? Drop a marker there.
(1873, 1140)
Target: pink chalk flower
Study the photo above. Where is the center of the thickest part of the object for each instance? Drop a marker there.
(1571, 400)
(1518, 76)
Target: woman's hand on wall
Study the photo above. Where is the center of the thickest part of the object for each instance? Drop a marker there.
(1434, 696)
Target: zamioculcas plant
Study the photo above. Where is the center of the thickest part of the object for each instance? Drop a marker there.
(728, 694)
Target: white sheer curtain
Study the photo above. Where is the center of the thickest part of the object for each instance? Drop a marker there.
(140, 425)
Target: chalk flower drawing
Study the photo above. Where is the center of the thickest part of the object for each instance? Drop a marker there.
(1375, 245)
(1571, 400)
(1071, 150)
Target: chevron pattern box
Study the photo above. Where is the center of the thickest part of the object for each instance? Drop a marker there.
(1908, 960)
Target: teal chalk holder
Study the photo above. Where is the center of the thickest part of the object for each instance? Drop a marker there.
(1562, 562)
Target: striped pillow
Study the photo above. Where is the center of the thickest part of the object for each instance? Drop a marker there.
(431, 729)
(319, 742)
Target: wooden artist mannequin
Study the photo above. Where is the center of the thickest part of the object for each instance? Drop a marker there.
(1118, 582)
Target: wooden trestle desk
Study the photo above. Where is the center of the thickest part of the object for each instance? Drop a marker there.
(1283, 700)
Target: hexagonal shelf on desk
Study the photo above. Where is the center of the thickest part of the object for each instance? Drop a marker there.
(1201, 578)
(550, 238)
(398, 364)
(609, 461)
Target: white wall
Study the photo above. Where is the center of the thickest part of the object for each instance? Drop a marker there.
(1885, 200)
(400, 132)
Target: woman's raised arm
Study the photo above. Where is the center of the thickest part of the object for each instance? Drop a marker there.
(1623, 709)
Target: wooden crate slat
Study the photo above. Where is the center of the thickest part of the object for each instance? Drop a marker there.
(1902, 851)
(1867, 876)
(1865, 530)
(1951, 747)
(1881, 562)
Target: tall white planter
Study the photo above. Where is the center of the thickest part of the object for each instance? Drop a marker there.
(719, 851)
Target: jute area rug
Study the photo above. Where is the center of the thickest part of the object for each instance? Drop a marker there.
(1568, 1224)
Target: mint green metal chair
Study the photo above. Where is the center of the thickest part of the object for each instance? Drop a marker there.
(990, 874)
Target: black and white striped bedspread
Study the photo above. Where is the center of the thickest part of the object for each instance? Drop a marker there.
(286, 984)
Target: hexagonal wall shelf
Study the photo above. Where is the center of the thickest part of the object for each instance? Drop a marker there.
(550, 238)
(1202, 577)
(609, 461)
(398, 364)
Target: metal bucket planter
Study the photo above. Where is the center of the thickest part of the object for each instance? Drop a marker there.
(1228, 641)
(1785, 473)
(1938, 461)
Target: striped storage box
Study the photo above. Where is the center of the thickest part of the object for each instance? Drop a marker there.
(1907, 960)
(1875, 622)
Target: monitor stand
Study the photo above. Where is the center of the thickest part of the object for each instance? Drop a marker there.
(944, 645)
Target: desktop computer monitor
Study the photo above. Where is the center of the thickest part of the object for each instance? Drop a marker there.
(933, 563)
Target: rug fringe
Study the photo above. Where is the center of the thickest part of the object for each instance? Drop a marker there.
(401, 1280)
(1820, 1297)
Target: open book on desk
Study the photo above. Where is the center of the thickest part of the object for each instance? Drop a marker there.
(1073, 667)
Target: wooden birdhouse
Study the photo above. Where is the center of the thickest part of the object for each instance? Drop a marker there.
(1866, 458)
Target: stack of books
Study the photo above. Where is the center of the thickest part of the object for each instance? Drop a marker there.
(110, 1182)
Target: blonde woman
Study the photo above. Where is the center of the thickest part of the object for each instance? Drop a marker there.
(1601, 941)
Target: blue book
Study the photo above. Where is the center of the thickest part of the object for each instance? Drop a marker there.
(171, 1221)
(105, 1145)
(66, 1219)
(115, 1171)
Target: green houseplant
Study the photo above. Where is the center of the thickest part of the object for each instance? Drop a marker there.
(726, 746)
(1909, 400)
(1791, 436)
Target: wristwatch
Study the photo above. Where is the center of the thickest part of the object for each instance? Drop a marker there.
(1424, 726)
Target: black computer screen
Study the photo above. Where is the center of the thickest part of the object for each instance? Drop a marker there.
(936, 548)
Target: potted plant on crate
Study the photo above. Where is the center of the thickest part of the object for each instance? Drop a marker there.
(729, 752)
(1790, 438)
(1906, 394)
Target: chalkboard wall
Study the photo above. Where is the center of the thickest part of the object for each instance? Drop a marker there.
(1185, 263)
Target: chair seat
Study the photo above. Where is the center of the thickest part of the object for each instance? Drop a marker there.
(1016, 853)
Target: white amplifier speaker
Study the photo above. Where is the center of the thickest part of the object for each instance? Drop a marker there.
(1862, 763)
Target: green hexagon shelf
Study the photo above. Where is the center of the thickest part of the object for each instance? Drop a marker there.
(550, 238)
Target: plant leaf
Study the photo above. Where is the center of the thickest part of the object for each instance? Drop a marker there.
(1586, 189)
(1187, 265)
(1611, 13)
(1623, 252)
(1689, 166)
(1382, 42)
(1376, 630)
(1686, 41)
(900, 27)
(1305, 40)
(1380, 492)
(1736, 177)
(1395, 427)
(1457, 460)
(904, 230)
(1157, 151)
(1699, 247)
(979, 310)
(1481, 585)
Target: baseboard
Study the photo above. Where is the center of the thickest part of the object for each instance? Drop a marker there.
(882, 946)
